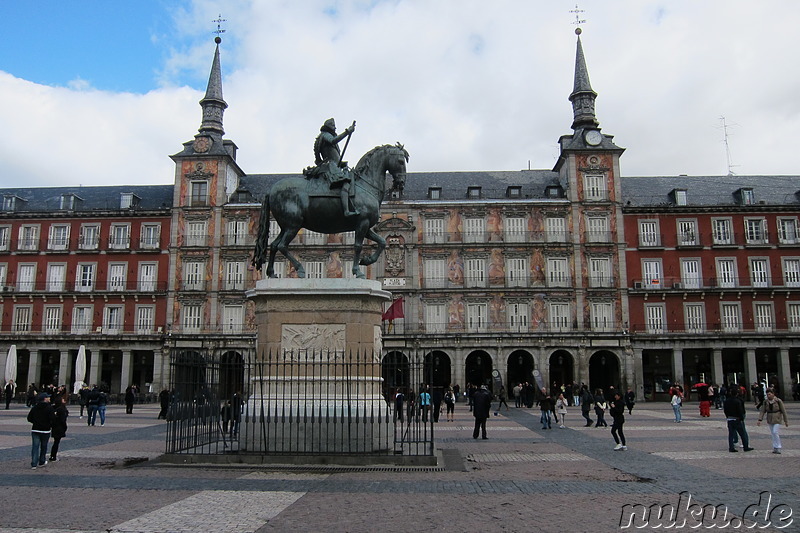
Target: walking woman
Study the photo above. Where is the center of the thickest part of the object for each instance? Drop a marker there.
(676, 403)
(617, 411)
(561, 410)
(600, 407)
(775, 412)
(59, 426)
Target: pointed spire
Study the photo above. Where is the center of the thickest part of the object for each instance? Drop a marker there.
(582, 96)
(212, 103)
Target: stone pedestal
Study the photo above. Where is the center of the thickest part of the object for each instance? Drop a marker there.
(318, 389)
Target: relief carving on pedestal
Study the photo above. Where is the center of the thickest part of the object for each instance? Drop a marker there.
(322, 339)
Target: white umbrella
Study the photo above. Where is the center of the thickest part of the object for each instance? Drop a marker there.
(11, 364)
(80, 369)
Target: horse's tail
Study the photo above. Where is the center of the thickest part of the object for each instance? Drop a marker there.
(262, 239)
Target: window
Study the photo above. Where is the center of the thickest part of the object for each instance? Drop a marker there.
(274, 230)
(516, 272)
(59, 237)
(349, 237)
(28, 238)
(514, 191)
(651, 274)
(435, 318)
(194, 275)
(127, 200)
(312, 237)
(82, 319)
(144, 319)
(56, 277)
(199, 193)
(117, 275)
(518, 317)
(791, 272)
(315, 269)
(747, 197)
(559, 317)
(150, 236)
(787, 230)
(120, 237)
(5, 238)
(602, 316)
(474, 229)
(192, 318)
(236, 232)
(680, 197)
(9, 203)
(147, 277)
(90, 237)
(600, 272)
(762, 315)
(654, 318)
(730, 317)
(26, 277)
(793, 316)
(112, 319)
(473, 192)
(557, 272)
(556, 229)
(475, 272)
(3, 275)
(755, 230)
(693, 316)
(22, 318)
(687, 233)
(691, 276)
(434, 230)
(434, 273)
(434, 193)
(234, 275)
(515, 229)
(648, 233)
(196, 234)
(759, 272)
(722, 231)
(232, 318)
(597, 229)
(726, 273)
(476, 317)
(279, 269)
(52, 319)
(595, 187)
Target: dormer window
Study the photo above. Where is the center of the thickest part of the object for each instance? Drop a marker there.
(473, 192)
(128, 200)
(434, 193)
(9, 203)
(554, 191)
(68, 202)
(746, 196)
(679, 196)
(514, 191)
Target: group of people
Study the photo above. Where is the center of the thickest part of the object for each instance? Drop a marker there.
(48, 418)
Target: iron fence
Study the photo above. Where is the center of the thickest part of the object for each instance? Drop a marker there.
(300, 403)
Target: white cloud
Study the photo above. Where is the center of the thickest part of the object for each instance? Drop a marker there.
(468, 85)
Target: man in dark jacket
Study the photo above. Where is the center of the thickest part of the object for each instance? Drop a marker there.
(481, 405)
(42, 417)
(586, 405)
(735, 413)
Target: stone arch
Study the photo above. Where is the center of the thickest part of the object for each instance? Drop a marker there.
(561, 368)
(478, 368)
(396, 373)
(231, 374)
(519, 368)
(436, 369)
(604, 370)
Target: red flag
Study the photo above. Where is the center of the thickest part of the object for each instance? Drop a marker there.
(395, 310)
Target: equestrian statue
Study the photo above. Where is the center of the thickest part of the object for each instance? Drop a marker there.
(331, 198)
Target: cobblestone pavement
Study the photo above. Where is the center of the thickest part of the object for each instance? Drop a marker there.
(522, 478)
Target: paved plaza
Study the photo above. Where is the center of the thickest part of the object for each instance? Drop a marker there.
(522, 478)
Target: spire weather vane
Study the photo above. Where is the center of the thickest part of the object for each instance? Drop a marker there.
(578, 19)
(219, 20)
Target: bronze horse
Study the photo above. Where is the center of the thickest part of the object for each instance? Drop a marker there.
(299, 202)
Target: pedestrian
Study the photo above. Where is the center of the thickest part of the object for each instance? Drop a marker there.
(567, 392)
(41, 416)
(676, 401)
(734, 414)
(501, 396)
(237, 406)
(10, 391)
(617, 411)
(59, 426)
(83, 398)
(30, 396)
(425, 403)
(481, 406)
(517, 392)
(561, 410)
(775, 412)
(92, 400)
(546, 406)
(226, 413)
(630, 400)
(456, 391)
(163, 400)
(576, 394)
(130, 397)
(471, 389)
(600, 407)
(399, 398)
(450, 403)
(586, 405)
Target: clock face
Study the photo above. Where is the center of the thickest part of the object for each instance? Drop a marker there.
(202, 144)
(593, 137)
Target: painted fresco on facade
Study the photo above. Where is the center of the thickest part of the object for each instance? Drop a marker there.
(455, 313)
(455, 269)
(497, 270)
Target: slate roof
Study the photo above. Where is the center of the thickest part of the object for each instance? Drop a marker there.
(46, 199)
(710, 190)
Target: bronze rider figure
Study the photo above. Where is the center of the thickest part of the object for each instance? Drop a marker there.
(329, 162)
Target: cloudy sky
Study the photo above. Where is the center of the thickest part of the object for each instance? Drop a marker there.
(103, 92)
